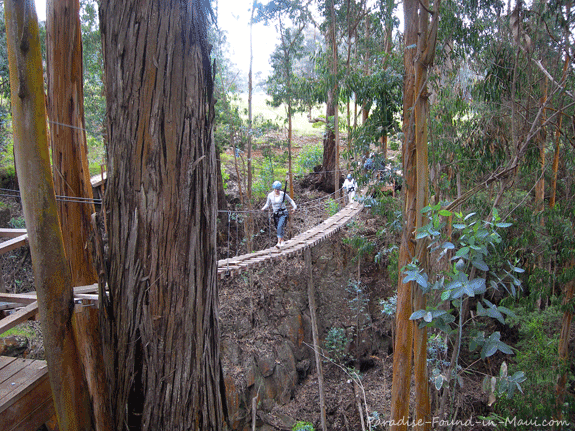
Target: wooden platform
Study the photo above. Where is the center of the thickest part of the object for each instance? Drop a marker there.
(25, 394)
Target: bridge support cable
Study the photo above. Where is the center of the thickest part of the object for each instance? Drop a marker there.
(297, 244)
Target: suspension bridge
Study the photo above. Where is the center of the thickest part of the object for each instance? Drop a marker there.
(296, 245)
(25, 396)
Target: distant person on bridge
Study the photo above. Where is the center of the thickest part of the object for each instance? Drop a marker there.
(277, 200)
(350, 185)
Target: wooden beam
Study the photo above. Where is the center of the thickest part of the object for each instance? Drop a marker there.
(97, 180)
(20, 316)
(30, 297)
(19, 298)
(12, 233)
(10, 245)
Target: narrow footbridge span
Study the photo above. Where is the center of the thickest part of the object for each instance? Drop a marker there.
(235, 265)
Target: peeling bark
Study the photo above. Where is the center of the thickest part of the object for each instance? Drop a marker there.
(163, 332)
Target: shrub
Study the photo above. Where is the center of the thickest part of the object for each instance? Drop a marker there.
(308, 158)
(332, 206)
(303, 426)
(537, 357)
(336, 344)
(17, 223)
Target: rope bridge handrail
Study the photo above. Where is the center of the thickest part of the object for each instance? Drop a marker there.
(235, 265)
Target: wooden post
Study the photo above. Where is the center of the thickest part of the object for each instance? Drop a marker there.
(312, 307)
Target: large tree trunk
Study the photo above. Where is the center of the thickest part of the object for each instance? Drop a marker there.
(329, 164)
(51, 271)
(163, 337)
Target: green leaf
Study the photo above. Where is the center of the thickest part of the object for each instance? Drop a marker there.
(507, 311)
(518, 377)
(445, 213)
(516, 269)
(417, 314)
(494, 313)
(448, 245)
(445, 295)
(421, 279)
(468, 216)
(464, 251)
(460, 226)
(510, 390)
(488, 350)
(438, 382)
(503, 369)
(421, 234)
(460, 265)
(478, 285)
(505, 348)
(428, 317)
(468, 290)
(503, 225)
(438, 313)
(486, 384)
(480, 265)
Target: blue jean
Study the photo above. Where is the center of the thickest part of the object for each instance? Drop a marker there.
(281, 225)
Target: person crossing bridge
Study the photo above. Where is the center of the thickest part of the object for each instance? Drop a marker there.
(276, 198)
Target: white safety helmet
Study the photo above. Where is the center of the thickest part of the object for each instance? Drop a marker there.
(349, 176)
(277, 185)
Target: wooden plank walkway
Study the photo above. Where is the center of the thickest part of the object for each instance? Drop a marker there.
(234, 266)
(25, 394)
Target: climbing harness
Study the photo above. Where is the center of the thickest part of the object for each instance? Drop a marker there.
(282, 211)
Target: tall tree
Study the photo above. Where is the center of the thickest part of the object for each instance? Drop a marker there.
(162, 341)
(402, 352)
(291, 18)
(330, 176)
(420, 39)
(51, 271)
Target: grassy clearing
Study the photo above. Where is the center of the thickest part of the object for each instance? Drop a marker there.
(300, 123)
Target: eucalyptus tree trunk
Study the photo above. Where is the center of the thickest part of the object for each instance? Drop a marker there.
(366, 70)
(51, 271)
(402, 352)
(425, 56)
(415, 166)
(162, 339)
(555, 165)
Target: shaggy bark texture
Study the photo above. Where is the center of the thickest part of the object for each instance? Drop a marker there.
(163, 341)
